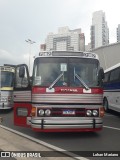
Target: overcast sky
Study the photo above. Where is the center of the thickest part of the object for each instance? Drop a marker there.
(34, 19)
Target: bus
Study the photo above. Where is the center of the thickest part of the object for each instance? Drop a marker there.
(112, 88)
(6, 86)
(64, 93)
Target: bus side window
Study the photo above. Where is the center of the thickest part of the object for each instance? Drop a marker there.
(106, 78)
(115, 75)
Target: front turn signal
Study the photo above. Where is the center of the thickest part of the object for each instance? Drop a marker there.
(33, 111)
(102, 112)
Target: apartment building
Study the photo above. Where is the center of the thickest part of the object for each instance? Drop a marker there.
(99, 30)
(118, 33)
(66, 39)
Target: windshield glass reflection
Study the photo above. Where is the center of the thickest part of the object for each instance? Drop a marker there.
(6, 79)
(51, 72)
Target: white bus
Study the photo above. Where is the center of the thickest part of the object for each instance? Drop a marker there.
(112, 88)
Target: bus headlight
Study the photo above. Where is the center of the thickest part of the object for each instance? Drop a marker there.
(95, 113)
(9, 98)
(47, 112)
(3, 99)
(41, 112)
(89, 113)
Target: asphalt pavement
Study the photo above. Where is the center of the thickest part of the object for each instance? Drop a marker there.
(15, 146)
(108, 140)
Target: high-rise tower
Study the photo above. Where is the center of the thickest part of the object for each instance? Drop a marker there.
(99, 30)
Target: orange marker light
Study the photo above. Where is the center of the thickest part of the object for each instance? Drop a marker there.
(33, 111)
(102, 112)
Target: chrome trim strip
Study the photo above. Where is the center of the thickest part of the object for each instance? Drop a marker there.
(28, 120)
(59, 106)
(22, 96)
(67, 98)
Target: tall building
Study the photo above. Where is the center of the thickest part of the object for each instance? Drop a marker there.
(99, 30)
(88, 47)
(66, 39)
(118, 33)
(43, 47)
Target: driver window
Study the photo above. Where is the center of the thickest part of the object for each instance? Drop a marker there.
(21, 82)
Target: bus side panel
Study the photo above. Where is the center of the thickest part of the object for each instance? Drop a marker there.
(21, 112)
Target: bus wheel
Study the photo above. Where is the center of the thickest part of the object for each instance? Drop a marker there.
(105, 104)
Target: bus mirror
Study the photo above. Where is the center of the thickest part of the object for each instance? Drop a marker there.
(21, 72)
(102, 73)
(101, 76)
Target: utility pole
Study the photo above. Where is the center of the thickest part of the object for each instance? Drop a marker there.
(29, 41)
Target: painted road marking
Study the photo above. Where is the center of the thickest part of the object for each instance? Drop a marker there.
(112, 128)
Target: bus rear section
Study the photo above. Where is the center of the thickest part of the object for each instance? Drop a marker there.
(6, 86)
(66, 93)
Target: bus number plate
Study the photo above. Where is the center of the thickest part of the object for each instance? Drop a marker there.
(69, 112)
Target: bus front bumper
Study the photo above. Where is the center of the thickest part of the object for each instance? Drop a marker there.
(65, 124)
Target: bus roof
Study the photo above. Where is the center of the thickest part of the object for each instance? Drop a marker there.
(68, 54)
(111, 68)
(10, 65)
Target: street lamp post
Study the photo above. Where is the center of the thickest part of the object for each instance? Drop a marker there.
(30, 42)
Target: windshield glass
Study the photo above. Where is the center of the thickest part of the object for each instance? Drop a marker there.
(6, 79)
(51, 72)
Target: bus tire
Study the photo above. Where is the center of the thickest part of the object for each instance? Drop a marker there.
(105, 104)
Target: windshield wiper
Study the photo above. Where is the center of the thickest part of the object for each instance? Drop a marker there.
(56, 80)
(80, 79)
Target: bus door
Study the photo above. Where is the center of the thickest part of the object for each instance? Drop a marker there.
(22, 96)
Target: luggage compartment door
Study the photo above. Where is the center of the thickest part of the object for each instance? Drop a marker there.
(22, 95)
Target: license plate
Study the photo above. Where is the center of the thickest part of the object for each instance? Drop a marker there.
(69, 112)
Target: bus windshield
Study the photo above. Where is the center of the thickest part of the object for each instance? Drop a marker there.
(67, 71)
(6, 79)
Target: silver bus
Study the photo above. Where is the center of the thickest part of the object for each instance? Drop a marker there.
(6, 86)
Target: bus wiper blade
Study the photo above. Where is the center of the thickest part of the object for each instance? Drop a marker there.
(82, 82)
(56, 80)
